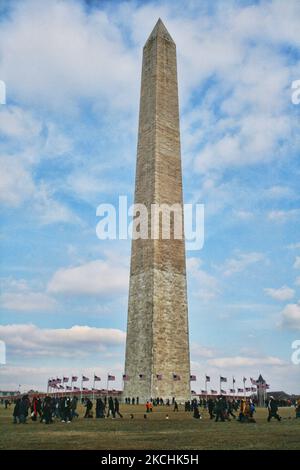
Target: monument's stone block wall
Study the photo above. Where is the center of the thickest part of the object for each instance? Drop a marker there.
(157, 331)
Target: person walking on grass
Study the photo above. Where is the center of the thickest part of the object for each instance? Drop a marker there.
(220, 410)
(74, 406)
(273, 410)
(211, 407)
(117, 408)
(16, 412)
(89, 406)
(111, 408)
(24, 406)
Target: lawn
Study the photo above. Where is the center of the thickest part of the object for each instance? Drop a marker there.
(180, 431)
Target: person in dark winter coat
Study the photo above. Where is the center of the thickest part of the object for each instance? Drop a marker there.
(89, 406)
(273, 410)
(73, 407)
(16, 412)
(220, 409)
(24, 405)
(111, 408)
(117, 408)
(196, 413)
(47, 411)
(100, 408)
(211, 407)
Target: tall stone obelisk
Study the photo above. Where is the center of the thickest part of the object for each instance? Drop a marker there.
(157, 348)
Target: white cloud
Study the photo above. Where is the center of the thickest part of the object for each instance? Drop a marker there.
(243, 215)
(49, 210)
(293, 246)
(282, 216)
(18, 186)
(18, 295)
(290, 316)
(66, 54)
(17, 123)
(205, 286)
(279, 192)
(241, 262)
(29, 301)
(198, 351)
(249, 84)
(283, 293)
(80, 341)
(297, 263)
(93, 278)
(16, 183)
(25, 378)
(242, 361)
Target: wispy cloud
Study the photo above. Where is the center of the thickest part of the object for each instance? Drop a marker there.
(241, 262)
(98, 277)
(30, 340)
(283, 293)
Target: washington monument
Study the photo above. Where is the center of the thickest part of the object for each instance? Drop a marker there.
(157, 348)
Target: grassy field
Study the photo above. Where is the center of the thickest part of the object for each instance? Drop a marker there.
(181, 431)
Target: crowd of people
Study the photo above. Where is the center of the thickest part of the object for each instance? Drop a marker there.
(64, 408)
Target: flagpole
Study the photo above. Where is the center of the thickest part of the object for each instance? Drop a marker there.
(81, 389)
(206, 386)
(93, 387)
(107, 385)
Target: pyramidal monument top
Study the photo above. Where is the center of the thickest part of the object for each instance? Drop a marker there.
(160, 30)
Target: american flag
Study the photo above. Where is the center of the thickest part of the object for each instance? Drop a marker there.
(96, 378)
(253, 389)
(68, 388)
(65, 379)
(58, 381)
(267, 386)
(203, 391)
(111, 377)
(61, 387)
(125, 377)
(193, 378)
(213, 391)
(85, 379)
(159, 376)
(207, 378)
(141, 376)
(95, 390)
(76, 389)
(240, 390)
(254, 382)
(84, 389)
(74, 378)
(232, 390)
(248, 389)
(223, 391)
(223, 379)
(176, 377)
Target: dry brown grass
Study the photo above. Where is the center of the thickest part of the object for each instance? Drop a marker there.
(181, 431)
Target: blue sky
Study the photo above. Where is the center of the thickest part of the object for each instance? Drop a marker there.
(68, 143)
